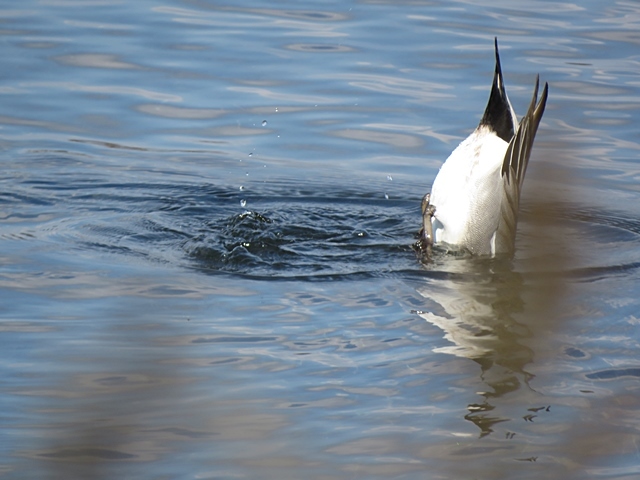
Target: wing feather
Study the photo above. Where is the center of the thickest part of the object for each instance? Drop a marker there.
(514, 167)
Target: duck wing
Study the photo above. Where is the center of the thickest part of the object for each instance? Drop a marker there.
(514, 168)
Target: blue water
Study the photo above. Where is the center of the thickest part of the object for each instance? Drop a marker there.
(208, 214)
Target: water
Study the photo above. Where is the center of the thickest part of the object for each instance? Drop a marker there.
(208, 214)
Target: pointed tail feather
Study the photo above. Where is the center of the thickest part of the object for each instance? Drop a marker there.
(498, 115)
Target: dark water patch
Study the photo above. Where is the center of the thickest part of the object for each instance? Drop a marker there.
(21, 198)
(575, 352)
(88, 452)
(225, 361)
(315, 47)
(307, 237)
(613, 373)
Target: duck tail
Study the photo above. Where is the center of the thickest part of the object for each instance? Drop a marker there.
(499, 115)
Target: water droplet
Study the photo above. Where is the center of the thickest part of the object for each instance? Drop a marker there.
(386, 196)
(390, 178)
(241, 187)
(243, 203)
(264, 123)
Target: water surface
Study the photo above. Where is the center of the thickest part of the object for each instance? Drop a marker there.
(208, 213)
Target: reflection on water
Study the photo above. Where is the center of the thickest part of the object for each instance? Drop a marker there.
(480, 306)
(475, 308)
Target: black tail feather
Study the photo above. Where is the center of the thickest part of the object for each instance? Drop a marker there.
(497, 115)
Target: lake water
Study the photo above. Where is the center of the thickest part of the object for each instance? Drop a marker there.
(208, 213)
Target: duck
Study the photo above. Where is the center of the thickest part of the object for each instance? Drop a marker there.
(474, 199)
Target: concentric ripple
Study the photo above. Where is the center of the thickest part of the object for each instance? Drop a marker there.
(316, 240)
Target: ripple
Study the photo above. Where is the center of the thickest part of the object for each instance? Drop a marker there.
(614, 373)
(95, 60)
(311, 15)
(168, 111)
(106, 89)
(298, 230)
(400, 140)
(319, 48)
(318, 240)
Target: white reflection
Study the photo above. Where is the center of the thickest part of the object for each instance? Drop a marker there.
(477, 311)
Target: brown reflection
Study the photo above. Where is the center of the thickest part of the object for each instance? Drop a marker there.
(139, 407)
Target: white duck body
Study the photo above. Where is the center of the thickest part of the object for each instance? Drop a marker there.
(465, 190)
(474, 200)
